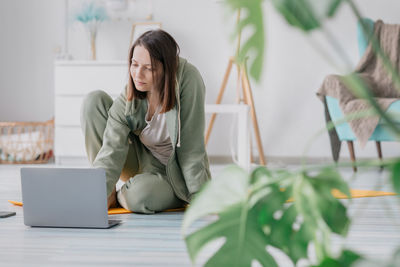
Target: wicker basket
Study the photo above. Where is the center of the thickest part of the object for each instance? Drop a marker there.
(26, 142)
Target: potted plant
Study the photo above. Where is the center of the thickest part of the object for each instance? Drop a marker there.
(256, 215)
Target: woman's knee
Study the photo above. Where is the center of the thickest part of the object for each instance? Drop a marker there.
(95, 102)
(149, 193)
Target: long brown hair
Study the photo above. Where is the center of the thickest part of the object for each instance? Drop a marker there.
(163, 50)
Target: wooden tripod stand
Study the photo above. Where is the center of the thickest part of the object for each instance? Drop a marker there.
(243, 81)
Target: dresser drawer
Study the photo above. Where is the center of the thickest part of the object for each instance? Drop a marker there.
(82, 79)
(69, 141)
(68, 109)
(73, 80)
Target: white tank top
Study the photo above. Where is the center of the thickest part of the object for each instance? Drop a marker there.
(156, 138)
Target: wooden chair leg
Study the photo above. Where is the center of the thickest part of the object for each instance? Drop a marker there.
(352, 155)
(379, 149)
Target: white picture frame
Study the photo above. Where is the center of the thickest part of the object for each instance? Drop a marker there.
(139, 28)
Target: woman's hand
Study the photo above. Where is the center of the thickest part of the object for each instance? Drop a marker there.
(112, 200)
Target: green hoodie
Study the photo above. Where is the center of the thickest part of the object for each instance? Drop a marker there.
(188, 167)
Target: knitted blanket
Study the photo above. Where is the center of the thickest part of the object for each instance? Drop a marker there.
(373, 73)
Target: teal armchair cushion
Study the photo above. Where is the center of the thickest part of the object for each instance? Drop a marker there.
(364, 37)
(382, 131)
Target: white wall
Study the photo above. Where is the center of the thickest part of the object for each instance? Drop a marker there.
(289, 113)
(30, 31)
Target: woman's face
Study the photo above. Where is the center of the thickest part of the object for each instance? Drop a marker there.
(141, 70)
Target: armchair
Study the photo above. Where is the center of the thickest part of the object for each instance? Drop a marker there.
(344, 131)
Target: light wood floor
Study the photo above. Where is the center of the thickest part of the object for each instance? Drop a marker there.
(155, 240)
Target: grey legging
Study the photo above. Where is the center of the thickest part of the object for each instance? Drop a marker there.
(146, 189)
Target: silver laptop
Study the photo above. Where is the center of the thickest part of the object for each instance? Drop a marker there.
(59, 197)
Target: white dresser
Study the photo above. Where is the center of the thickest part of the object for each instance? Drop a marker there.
(73, 80)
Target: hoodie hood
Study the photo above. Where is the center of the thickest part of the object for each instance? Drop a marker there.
(182, 63)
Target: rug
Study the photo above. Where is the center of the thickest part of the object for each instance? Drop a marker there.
(355, 193)
(110, 211)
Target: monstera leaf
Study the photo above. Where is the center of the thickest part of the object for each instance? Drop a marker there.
(347, 259)
(396, 176)
(304, 14)
(237, 222)
(253, 215)
(252, 19)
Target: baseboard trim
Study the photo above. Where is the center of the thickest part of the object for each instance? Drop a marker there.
(277, 160)
(273, 161)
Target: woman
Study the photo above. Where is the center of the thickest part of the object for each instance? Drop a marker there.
(152, 135)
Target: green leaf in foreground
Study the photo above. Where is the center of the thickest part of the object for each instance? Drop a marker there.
(241, 247)
(346, 259)
(253, 20)
(237, 223)
(396, 177)
(252, 214)
(305, 14)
